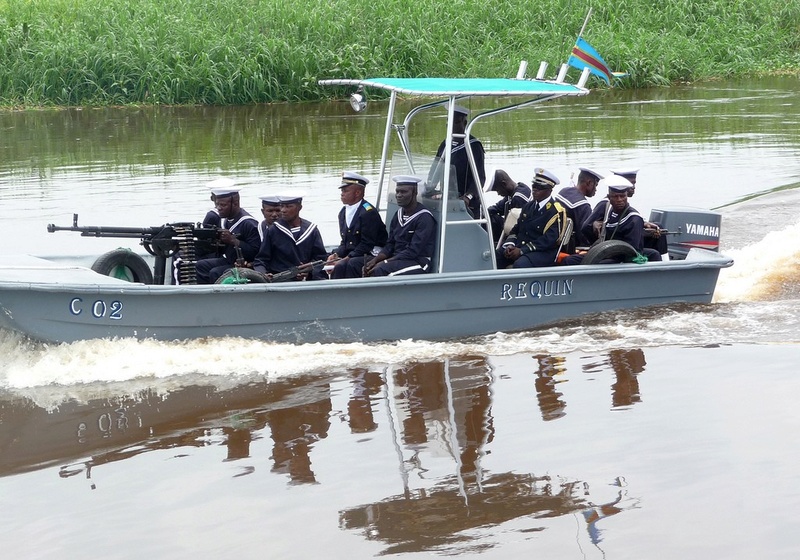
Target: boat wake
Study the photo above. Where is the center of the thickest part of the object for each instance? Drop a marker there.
(767, 270)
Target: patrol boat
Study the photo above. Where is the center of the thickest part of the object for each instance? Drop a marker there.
(465, 294)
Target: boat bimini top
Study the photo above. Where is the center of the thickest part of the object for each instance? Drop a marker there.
(436, 92)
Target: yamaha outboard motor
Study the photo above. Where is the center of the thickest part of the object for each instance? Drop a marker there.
(687, 228)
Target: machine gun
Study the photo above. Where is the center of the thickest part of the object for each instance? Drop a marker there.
(162, 242)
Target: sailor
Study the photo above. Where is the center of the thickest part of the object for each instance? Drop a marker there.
(614, 219)
(575, 199)
(271, 210)
(361, 228)
(210, 220)
(465, 180)
(514, 195)
(212, 216)
(535, 239)
(290, 241)
(412, 237)
(630, 174)
(652, 230)
(239, 233)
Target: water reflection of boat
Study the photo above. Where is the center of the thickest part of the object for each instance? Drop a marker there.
(438, 414)
(464, 295)
(443, 421)
(117, 428)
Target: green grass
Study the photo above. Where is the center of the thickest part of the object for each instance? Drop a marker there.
(82, 52)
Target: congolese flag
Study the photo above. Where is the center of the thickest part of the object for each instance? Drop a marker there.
(584, 56)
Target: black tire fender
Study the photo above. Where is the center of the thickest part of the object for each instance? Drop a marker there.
(248, 274)
(611, 249)
(125, 265)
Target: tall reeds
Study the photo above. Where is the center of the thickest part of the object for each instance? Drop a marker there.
(82, 52)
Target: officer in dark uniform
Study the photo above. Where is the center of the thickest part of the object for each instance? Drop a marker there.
(575, 199)
(465, 180)
(534, 240)
(240, 230)
(361, 227)
(514, 195)
(290, 241)
(412, 237)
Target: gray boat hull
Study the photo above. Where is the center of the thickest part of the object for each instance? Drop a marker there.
(56, 303)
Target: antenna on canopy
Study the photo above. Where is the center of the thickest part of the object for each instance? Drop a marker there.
(583, 27)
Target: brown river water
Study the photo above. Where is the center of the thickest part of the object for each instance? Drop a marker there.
(667, 433)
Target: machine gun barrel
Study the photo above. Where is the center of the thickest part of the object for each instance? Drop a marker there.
(105, 231)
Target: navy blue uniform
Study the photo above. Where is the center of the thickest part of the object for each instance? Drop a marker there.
(284, 247)
(212, 218)
(578, 209)
(365, 232)
(536, 234)
(412, 240)
(245, 227)
(460, 162)
(499, 210)
(627, 225)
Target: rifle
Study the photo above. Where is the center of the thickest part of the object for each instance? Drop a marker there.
(160, 241)
(291, 273)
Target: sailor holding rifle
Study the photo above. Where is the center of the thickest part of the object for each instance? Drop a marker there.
(412, 237)
(291, 241)
(653, 238)
(614, 219)
(239, 233)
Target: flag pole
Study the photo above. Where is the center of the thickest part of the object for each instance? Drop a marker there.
(588, 15)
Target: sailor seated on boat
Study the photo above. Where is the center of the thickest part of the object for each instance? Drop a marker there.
(535, 239)
(240, 230)
(271, 210)
(653, 239)
(412, 237)
(290, 241)
(459, 162)
(361, 227)
(575, 199)
(614, 219)
(514, 196)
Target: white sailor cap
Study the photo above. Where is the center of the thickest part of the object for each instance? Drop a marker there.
(353, 178)
(221, 188)
(270, 200)
(407, 180)
(543, 179)
(290, 198)
(616, 183)
(458, 109)
(626, 171)
(591, 172)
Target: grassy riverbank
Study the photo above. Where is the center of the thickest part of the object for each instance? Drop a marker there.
(81, 52)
